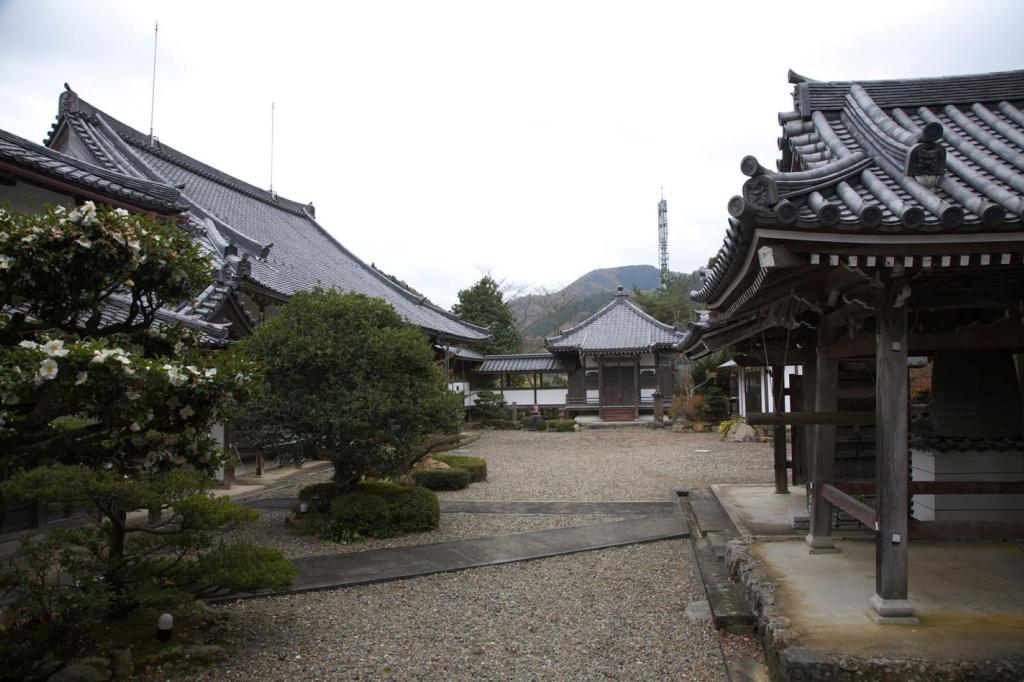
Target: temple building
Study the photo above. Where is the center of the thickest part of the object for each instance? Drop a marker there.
(615, 360)
(265, 247)
(890, 226)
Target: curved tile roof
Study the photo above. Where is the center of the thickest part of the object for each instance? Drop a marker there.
(526, 363)
(620, 326)
(50, 163)
(282, 246)
(926, 155)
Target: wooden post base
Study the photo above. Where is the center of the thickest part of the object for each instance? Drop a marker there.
(892, 611)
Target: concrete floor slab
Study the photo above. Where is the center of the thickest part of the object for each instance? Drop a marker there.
(969, 598)
(759, 510)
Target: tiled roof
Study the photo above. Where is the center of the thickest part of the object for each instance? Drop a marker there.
(141, 193)
(520, 364)
(932, 155)
(285, 250)
(618, 327)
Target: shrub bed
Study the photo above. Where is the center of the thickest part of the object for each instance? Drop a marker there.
(382, 509)
(442, 479)
(476, 466)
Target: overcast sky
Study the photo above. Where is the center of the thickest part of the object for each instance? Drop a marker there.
(529, 138)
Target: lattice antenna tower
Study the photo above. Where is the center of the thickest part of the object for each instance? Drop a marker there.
(663, 237)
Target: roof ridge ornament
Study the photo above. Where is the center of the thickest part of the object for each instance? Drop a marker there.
(926, 160)
(68, 100)
(620, 292)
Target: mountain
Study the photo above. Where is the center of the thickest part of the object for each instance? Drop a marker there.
(545, 312)
(603, 280)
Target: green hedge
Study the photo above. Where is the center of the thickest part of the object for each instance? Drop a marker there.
(442, 479)
(319, 496)
(476, 466)
(558, 425)
(383, 509)
(501, 424)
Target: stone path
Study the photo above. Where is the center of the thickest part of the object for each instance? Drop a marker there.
(373, 566)
(519, 508)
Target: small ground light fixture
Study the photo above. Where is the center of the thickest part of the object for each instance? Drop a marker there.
(303, 507)
(164, 627)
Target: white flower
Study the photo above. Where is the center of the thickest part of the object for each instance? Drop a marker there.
(175, 376)
(120, 212)
(178, 346)
(132, 395)
(136, 427)
(28, 239)
(3, 236)
(48, 369)
(55, 348)
(32, 345)
(81, 378)
(186, 412)
(121, 357)
(89, 207)
(210, 373)
(83, 242)
(128, 369)
(75, 216)
(60, 210)
(134, 245)
(5, 262)
(100, 356)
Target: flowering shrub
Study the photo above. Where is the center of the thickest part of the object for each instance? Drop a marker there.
(104, 411)
(143, 396)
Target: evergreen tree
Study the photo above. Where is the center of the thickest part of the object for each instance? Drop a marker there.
(483, 304)
(347, 380)
(670, 303)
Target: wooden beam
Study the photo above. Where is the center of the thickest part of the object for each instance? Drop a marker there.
(1001, 336)
(891, 401)
(779, 435)
(966, 530)
(812, 418)
(851, 505)
(822, 465)
(941, 487)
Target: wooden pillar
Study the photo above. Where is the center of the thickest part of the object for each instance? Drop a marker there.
(636, 387)
(823, 446)
(890, 603)
(779, 435)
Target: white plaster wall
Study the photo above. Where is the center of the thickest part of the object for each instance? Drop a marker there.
(930, 465)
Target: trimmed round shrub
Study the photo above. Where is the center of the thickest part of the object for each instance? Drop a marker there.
(319, 496)
(476, 466)
(360, 512)
(442, 479)
(383, 509)
(414, 509)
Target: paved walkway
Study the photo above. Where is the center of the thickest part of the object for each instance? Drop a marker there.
(344, 570)
(518, 508)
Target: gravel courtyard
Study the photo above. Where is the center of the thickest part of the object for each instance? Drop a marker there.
(608, 614)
